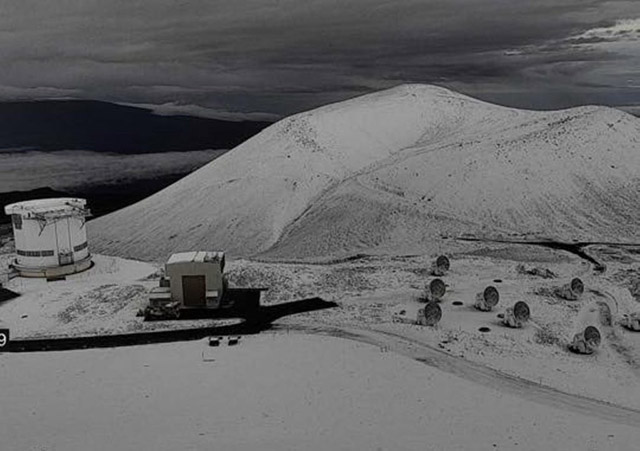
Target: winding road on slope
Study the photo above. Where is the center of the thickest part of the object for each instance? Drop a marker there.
(389, 341)
(478, 373)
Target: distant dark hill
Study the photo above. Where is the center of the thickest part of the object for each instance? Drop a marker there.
(38, 193)
(19, 196)
(101, 198)
(100, 126)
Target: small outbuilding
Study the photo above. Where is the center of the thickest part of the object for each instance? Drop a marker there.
(50, 236)
(194, 286)
(196, 279)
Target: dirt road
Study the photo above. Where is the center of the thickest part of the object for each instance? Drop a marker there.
(477, 373)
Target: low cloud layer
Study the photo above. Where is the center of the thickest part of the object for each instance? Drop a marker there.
(70, 170)
(259, 58)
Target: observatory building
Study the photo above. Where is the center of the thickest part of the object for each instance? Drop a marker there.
(50, 236)
(196, 279)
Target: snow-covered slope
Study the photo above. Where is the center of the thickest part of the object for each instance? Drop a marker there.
(392, 172)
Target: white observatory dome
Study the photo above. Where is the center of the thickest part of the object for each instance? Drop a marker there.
(50, 236)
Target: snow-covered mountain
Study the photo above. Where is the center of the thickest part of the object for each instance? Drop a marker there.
(392, 172)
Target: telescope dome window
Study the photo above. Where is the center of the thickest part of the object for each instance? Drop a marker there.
(17, 221)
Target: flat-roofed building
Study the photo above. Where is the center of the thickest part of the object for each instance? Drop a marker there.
(196, 279)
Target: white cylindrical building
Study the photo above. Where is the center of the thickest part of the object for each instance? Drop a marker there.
(50, 236)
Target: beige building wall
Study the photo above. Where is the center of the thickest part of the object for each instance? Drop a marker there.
(211, 270)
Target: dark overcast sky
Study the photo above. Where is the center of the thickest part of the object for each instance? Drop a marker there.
(283, 56)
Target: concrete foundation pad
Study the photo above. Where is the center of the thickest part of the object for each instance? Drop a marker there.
(55, 271)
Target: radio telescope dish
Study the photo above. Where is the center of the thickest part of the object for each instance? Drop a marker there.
(440, 266)
(443, 262)
(592, 336)
(577, 287)
(487, 299)
(571, 291)
(517, 315)
(432, 314)
(491, 296)
(437, 288)
(521, 311)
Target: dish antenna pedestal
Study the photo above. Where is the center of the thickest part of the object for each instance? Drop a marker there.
(631, 321)
(430, 315)
(487, 299)
(517, 316)
(586, 342)
(435, 291)
(440, 266)
(571, 291)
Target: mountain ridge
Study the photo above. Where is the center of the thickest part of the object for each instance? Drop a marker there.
(392, 171)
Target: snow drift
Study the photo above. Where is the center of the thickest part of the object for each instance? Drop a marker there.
(393, 172)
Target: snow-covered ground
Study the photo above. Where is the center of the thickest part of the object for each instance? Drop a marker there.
(101, 300)
(379, 295)
(395, 176)
(273, 392)
(393, 172)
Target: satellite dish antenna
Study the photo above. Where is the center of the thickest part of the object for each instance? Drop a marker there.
(491, 296)
(592, 336)
(436, 290)
(587, 341)
(521, 311)
(572, 290)
(577, 287)
(443, 262)
(517, 315)
(431, 314)
(441, 266)
(487, 299)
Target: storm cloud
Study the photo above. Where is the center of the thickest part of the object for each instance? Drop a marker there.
(262, 58)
